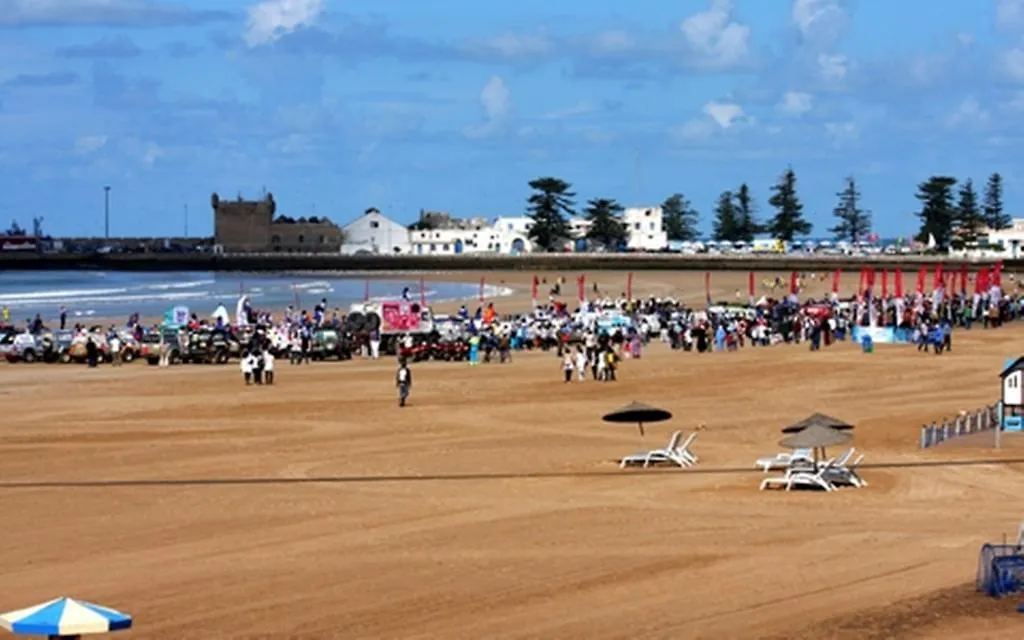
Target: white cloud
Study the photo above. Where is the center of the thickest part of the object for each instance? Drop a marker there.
(726, 114)
(1010, 14)
(578, 109)
(1013, 63)
(613, 42)
(714, 35)
(496, 100)
(968, 112)
(818, 20)
(842, 133)
(832, 67)
(84, 145)
(794, 103)
(271, 19)
(511, 45)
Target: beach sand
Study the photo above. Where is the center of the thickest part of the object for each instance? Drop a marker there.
(492, 505)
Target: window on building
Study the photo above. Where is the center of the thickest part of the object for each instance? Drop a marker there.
(302, 238)
(374, 224)
(433, 247)
(275, 239)
(511, 227)
(444, 248)
(651, 224)
(323, 239)
(636, 225)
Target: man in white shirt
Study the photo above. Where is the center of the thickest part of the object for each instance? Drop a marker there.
(403, 380)
(268, 367)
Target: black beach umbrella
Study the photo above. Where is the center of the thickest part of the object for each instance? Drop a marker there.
(820, 420)
(638, 413)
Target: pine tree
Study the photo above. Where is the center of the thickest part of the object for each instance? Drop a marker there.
(937, 212)
(550, 206)
(680, 218)
(854, 223)
(788, 221)
(726, 224)
(968, 216)
(606, 226)
(746, 221)
(995, 217)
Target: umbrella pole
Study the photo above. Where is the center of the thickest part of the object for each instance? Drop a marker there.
(640, 426)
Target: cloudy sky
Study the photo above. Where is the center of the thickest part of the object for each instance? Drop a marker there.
(339, 105)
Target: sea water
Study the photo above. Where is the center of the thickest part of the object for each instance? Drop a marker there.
(111, 294)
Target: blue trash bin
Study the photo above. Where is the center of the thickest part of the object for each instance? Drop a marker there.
(867, 344)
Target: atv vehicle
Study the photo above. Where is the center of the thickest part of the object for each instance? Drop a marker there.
(329, 343)
(206, 346)
(151, 341)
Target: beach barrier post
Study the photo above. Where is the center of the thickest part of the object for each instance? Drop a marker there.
(629, 286)
(366, 291)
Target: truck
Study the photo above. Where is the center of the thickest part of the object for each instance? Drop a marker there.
(393, 319)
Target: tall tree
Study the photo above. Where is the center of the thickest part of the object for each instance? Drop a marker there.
(995, 217)
(853, 223)
(968, 219)
(680, 218)
(788, 221)
(550, 206)
(937, 212)
(726, 223)
(746, 214)
(606, 226)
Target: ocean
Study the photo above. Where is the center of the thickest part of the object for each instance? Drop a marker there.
(111, 294)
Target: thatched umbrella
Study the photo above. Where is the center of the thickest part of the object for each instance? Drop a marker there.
(816, 437)
(818, 419)
(639, 413)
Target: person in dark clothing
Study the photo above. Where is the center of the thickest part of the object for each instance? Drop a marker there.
(92, 353)
(403, 380)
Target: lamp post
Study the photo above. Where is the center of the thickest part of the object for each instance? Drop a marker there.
(106, 212)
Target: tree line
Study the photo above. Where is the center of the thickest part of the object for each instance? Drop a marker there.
(949, 218)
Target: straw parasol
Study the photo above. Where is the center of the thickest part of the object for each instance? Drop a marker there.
(816, 437)
(818, 419)
(638, 413)
(64, 618)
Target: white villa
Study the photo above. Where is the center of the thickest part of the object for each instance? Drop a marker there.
(1004, 243)
(374, 233)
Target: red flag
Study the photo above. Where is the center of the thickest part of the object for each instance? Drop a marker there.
(963, 279)
(366, 291)
(885, 283)
(535, 289)
(707, 286)
(423, 294)
(897, 283)
(922, 274)
(835, 281)
(997, 274)
(629, 286)
(871, 278)
(483, 284)
(981, 282)
(794, 283)
(751, 286)
(581, 286)
(863, 284)
(937, 277)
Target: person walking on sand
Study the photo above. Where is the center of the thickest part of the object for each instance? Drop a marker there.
(581, 363)
(403, 381)
(268, 367)
(248, 363)
(568, 365)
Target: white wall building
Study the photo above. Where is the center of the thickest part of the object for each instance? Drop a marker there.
(372, 232)
(646, 227)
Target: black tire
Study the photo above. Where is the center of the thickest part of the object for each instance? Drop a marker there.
(29, 356)
(221, 357)
(127, 355)
(64, 357)
(372, 321)
(355, 322)
(153, 361)
(175, 358)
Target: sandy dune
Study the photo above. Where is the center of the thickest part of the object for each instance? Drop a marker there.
(491, 507)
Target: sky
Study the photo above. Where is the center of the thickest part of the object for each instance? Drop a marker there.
(336, 106)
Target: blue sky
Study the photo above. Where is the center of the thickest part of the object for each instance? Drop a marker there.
(339, 105)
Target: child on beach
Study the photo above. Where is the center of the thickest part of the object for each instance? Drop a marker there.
(248, 364)
(268, 367)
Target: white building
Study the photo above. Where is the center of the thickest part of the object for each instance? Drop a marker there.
(508, 235)
(372, 232)
(993, 245)
(646, 227)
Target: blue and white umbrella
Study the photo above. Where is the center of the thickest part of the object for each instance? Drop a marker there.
(64, 617)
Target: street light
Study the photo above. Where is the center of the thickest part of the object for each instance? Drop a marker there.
(106, 212)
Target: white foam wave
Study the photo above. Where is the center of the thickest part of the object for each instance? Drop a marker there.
(72, 294)
(318, 284)
(108, 299)
(182, 285)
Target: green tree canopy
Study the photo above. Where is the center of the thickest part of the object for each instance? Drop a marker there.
(726, 223)
(995, 217)
(606, 227)
(937, 212)
(746, 214)
(680, 218)
(550, 206)
(853, 223)
(788, 221)
(969, 219)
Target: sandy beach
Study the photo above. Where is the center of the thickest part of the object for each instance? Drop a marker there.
(492, 505)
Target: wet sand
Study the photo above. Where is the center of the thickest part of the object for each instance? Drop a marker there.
(492, 506)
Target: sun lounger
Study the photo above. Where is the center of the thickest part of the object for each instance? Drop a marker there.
(846, 474)
(796, 478)
(675, 452)
(783, 460)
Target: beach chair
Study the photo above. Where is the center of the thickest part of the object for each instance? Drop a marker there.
(797, 478)
(846, 474)
(783, 460)
(675, 451)
(840, 462)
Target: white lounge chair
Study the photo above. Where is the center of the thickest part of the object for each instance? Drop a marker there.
(784, 460)
(675, 452)
(796, 478)
(846, 474)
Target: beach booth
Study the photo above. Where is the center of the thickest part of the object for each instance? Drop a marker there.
(176, 317)
(1012, 397)
(64, 618)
